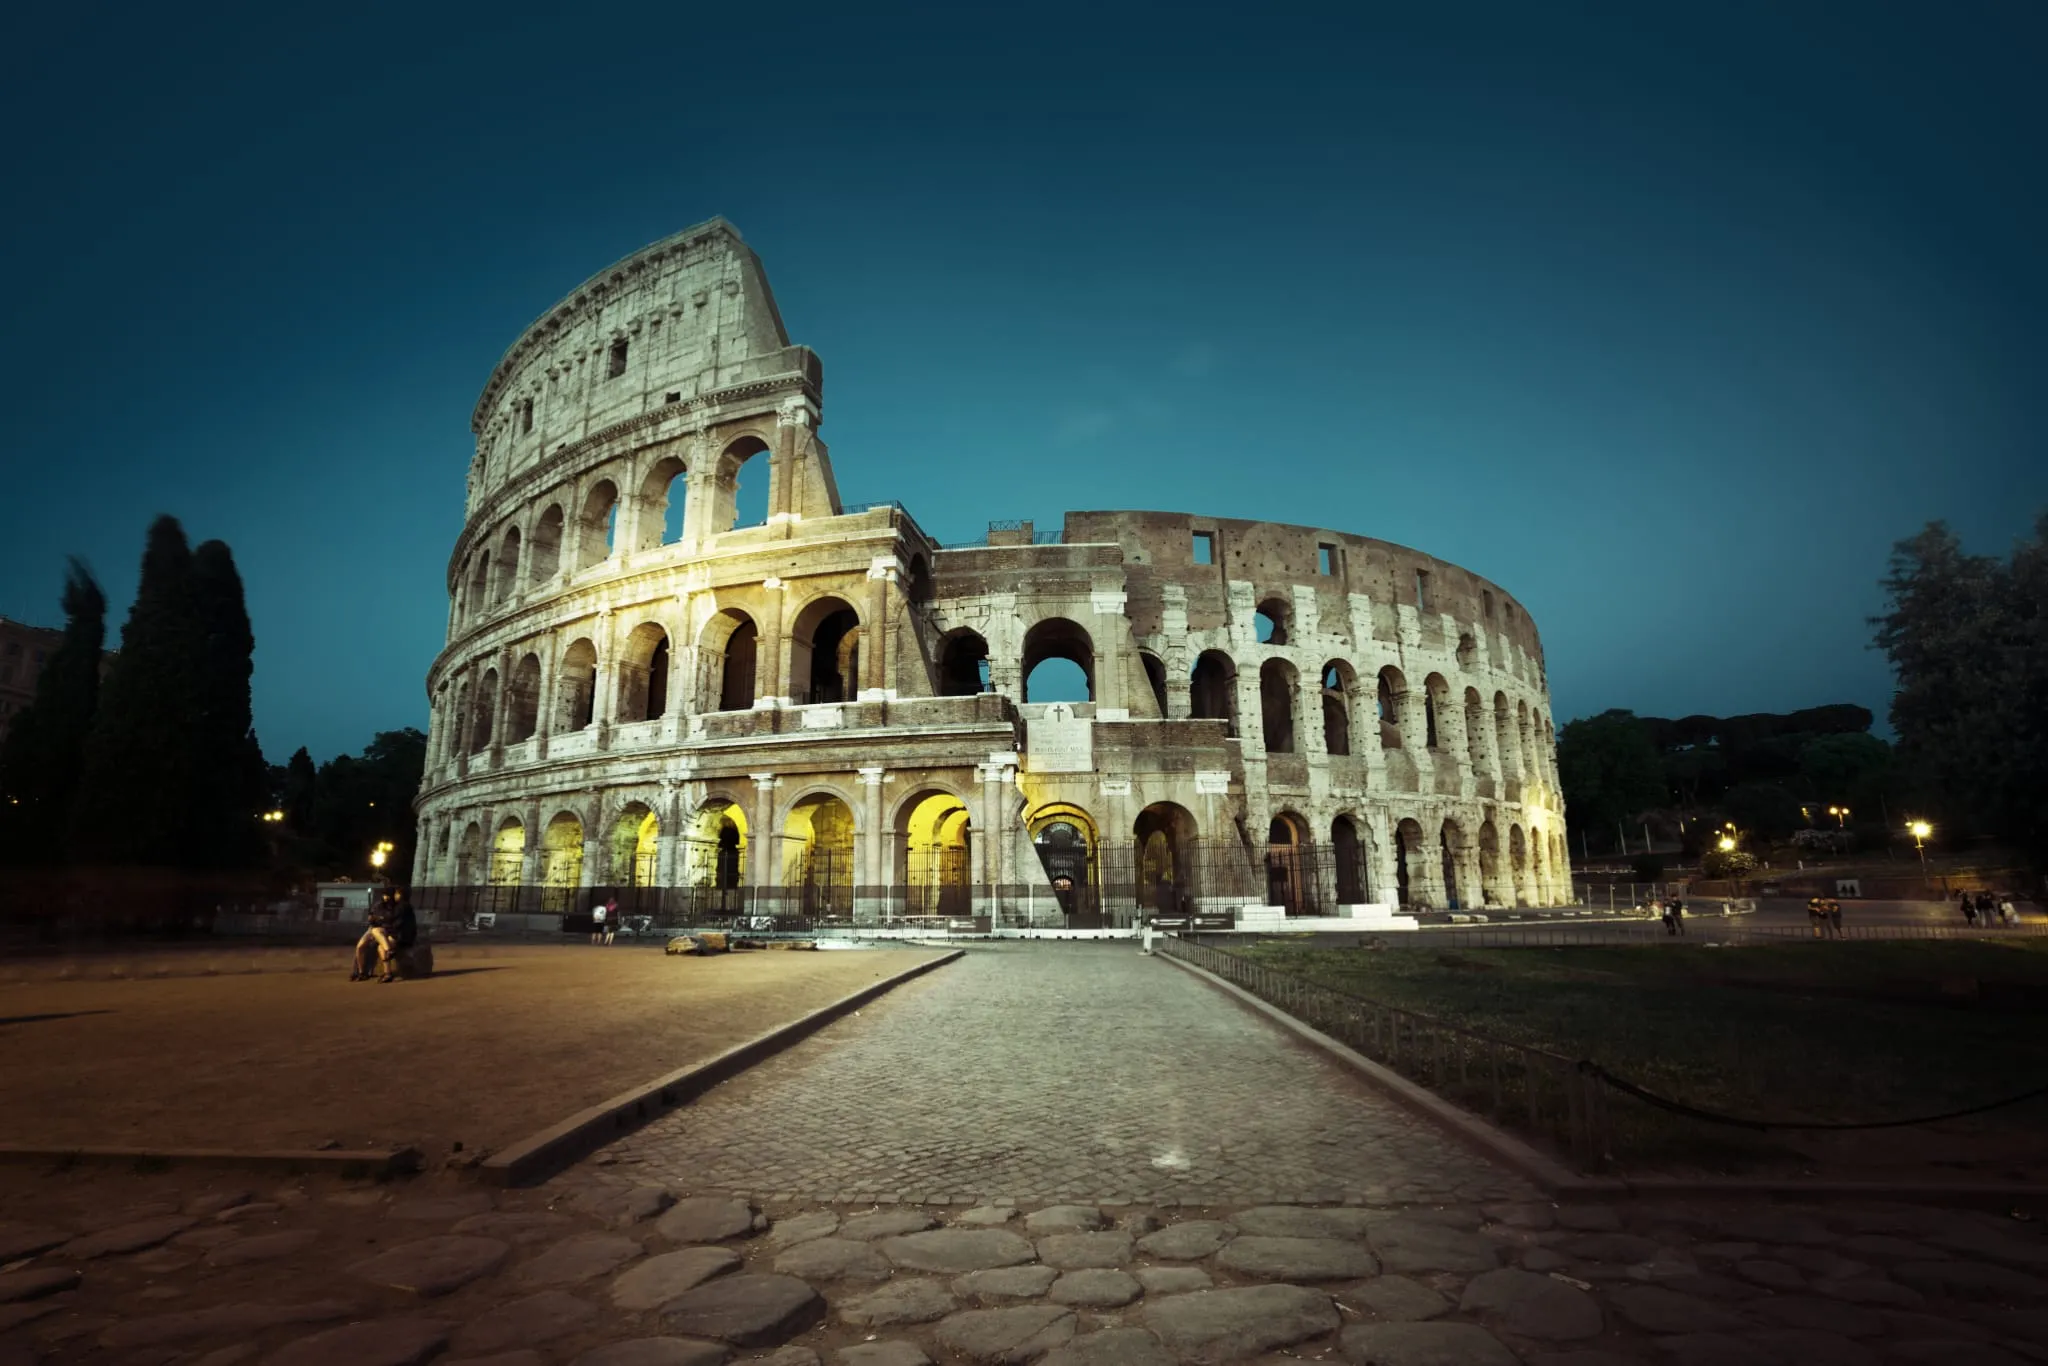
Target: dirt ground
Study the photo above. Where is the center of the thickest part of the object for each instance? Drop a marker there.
(503, 1041)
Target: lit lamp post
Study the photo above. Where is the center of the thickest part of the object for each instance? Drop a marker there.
(1841, 815)
(378, 856)
(1920, 830)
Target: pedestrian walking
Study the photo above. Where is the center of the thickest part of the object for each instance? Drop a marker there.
(611, 917)
(1677, 915)
(1985, 911)
(1969, 909)
(1834, 910)
(2006, 912)
(1816, 913)
(597, 929)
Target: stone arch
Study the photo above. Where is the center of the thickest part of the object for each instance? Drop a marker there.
(522, 700)
(1271, 621)
(469, 856)
(1348, 855)
(597, 524)
(544, 556)
(1338, 684)
(1393, 702)
(1495, 890)
(743, 485)
(1068, 846)
(1518, 865)
(1436, 700)
(1291, 874)
(1475, 737)
(1279, 687)
(1468, 651)
(1165, 858)
(1057, 638)
(634, 846)
(643, 673)
(484, 712)
(818, 839)
(1451, 849)
(1525, 748)
(714, 855)
(729, 650)
(508, 566)
(1212, 689)
(1503, 738)
(576, 688)
(1407, 871)
(508, 853)
(561, 859)
(1539, 862)
(479, 585)
(931, 860)
(963, 664)
(824, 651)
(1155, 679)
(661, 510)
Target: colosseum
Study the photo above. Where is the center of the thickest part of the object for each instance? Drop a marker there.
(660, 684)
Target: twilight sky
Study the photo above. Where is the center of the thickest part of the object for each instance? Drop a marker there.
(1670, 318)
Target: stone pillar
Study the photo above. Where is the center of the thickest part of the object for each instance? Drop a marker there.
(874, 676)
(700, 495)
(604, 680)
(762, 846)
(530, 856)
(595, 869)
(873, 878)
(771, 669)
(1175, 656)
(665, 834)
(1109, 631)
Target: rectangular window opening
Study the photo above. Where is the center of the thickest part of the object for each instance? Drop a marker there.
(1205, 547)
(1487, 596)
(673, 398)
(617, 364)
(1326, 559)
(1422, 590)
(525, 416)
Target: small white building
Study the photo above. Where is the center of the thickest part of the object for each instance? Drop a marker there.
(346, 900)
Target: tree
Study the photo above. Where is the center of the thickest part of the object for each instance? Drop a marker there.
(295, 792)
(136, 786)
(41, 757)
(1968, 644)
(362, 801)
(1608, 768)
(231, 780)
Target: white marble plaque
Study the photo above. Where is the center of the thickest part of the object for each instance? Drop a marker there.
(1059, 742)
(1212, 781)
(823, 718)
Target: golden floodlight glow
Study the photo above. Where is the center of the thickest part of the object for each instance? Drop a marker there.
(1727, 843)
(1920, 830)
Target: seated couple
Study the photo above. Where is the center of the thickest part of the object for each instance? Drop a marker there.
(393, 929)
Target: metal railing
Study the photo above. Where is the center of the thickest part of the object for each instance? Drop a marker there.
(1541, 1094)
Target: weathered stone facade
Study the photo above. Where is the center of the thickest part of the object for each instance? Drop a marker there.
(829, 711)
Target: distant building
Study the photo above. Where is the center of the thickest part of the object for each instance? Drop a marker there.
(24, 650)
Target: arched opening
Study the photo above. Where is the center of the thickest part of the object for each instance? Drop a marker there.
(508, 853)
(730, 652)
(522, 700)
(1407, 848)
(1064, 838)
(1212, 689)
(1518, 865)
(1503, 733)
(469, 856)
(1494, 891)
(561, 862)
(818, 856)
(714, 858)
(576, 691)
(1165, 859)
(479, 584)
(1450, 843)
(480, 724)
(1436, 695)
(1475, 738)
(1338, 681)
(1155, 679)
(1468, 651)
(963, 664)
(1059, 662)
(1291, 881)
(1354, 880)
(1525, 749)
(598, 525)
(544, 560)
(824, 652)
(643, 674)
(1393, 694)
(664, 494)
(1269, 622)
(1278, 686)
(1539, 887)
(932, 863)
(635, 846)
(508, 565)
(743, 479)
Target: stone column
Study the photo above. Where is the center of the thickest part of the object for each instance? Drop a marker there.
(872, 878)
(763, 847)
(1110, 629)
(988, 842)
(771, 670)
(595, 869)
(665, 835)
(530, 856)
(874, 675)
(1175, 656)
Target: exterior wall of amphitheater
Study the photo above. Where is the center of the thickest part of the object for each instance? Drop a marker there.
(829, 711)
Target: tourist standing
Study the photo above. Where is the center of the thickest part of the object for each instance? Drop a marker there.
(2006, 914)
(1834, 909)
(611, 916)
(1969, 909)
(597, 927)
(1985, 912)
(1677, 915)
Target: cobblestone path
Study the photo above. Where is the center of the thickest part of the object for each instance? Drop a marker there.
(1057, 1072)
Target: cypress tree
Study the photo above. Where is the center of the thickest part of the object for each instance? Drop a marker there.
(136, 787)
(231, 782)
(41, 756)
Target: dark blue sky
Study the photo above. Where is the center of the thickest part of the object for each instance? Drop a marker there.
(1669, 318)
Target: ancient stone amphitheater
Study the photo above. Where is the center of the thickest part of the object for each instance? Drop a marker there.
(828, 713)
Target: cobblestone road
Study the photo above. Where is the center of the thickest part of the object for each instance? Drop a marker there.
(1057, 1072)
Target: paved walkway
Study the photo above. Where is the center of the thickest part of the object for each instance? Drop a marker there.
(1053, 1071)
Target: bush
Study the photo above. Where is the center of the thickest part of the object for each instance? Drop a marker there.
(1718, 863)
(1647, 868)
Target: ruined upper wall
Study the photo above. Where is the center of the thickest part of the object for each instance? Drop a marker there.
(688, 316)
(1158, 549)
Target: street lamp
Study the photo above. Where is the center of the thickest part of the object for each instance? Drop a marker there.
(1920, 830)
(1727, 844)
(1841, 815)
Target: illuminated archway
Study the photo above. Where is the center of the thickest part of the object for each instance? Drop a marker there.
(634, 846)
(932, 858)
(1291, 873)
(508, 853)
(1166, 859)
(561, 861)
(818, 856)
(1064, 838)
(714, 857)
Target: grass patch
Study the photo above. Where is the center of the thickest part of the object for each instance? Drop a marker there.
(1826, 1032)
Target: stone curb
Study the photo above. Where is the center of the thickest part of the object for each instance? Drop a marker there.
(344, 1162)
(540, 1155)
(1565, 1185)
